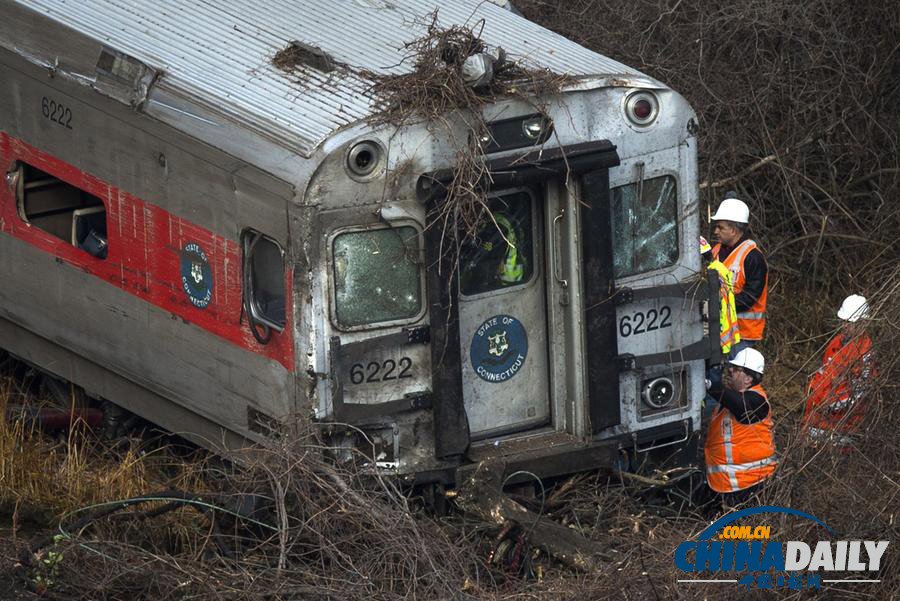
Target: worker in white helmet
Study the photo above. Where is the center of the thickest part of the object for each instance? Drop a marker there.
(740, 444)
(838, 390)
(742, 257)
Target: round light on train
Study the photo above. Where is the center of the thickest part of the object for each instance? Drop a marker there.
(642, 108)
(659, 392)
(363, 158)
(534, 128)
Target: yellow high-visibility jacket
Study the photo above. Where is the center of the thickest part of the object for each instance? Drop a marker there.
(729, 333)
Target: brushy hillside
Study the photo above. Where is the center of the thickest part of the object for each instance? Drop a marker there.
(798, 112)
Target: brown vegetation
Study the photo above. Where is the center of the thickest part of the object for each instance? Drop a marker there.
(435, 91)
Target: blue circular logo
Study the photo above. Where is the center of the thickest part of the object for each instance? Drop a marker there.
(196, 275)
(499, 348)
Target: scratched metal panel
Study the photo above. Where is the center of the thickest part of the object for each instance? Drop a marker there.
(217, 53)
(83, 313)
(109, 146)
(100, 321)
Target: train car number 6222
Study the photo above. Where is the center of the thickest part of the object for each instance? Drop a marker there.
(381, 371)
(641, 322)
(56, 112)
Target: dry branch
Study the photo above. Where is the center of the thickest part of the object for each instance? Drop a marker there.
(481, 494)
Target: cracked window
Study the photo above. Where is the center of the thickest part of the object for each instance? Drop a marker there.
(645, 232)
(376, 276)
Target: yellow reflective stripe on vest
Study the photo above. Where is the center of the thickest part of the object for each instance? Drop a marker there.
(730, 334)
(729, 450)
(511, 271)
(728, 326)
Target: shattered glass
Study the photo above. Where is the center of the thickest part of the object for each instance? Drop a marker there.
(645, 232)
(376, 276)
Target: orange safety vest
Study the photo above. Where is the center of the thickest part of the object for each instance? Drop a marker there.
(831, 403)
(739, 455)
(752, 322)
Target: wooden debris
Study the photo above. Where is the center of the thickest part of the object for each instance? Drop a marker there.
(481, 494)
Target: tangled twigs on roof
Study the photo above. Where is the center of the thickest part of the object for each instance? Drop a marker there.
(436, 91)
(436, 85)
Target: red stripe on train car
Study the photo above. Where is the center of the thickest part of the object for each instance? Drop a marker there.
(146, 244)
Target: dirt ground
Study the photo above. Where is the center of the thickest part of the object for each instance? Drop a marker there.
(11, 587)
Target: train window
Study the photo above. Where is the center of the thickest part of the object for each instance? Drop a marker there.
(264, 286)
(644, 223)
(60, 209)
(377, 276)
(500, 255)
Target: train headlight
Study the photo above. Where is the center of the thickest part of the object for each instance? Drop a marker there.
(658, 392)
(363, 158)
(534, 128)
(516, 132)
(641, 108)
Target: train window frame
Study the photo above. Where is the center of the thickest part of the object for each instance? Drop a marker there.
(25, 178)
(250, 239)
(537, 250)
(677, 220)
(332, 281)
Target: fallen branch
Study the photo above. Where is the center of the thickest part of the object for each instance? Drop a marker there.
(481, 495)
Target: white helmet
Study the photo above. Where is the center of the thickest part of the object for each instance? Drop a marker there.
(749, 358)
(733, 209)
(853, 308)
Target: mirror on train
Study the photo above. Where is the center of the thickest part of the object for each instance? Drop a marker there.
(264, 279)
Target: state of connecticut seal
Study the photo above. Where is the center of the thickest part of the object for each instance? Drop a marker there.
(499, 348)
(196, 275)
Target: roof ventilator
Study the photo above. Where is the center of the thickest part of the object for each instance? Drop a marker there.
(297, 54)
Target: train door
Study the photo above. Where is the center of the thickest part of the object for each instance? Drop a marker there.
(502, 319)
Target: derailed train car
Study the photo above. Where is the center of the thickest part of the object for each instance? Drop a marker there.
(217, 245)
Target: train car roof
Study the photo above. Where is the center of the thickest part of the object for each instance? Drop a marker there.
(217, 54)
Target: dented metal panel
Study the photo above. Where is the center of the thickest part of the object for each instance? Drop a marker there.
(217, 55)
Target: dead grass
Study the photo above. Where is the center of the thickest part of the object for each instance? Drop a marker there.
(43, 477)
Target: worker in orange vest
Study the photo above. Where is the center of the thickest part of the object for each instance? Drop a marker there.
(740, 444)
(836, 396)
(742, 257)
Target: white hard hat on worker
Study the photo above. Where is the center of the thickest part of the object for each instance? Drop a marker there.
(854, 308)
(733, 209)
(749, 358)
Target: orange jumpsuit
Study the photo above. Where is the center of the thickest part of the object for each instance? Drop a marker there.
(836, 390)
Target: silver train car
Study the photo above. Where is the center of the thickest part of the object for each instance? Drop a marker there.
(218, 245)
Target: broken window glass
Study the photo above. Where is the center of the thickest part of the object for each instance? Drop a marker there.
(376, 276)
(500, 255)
(645, 229)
